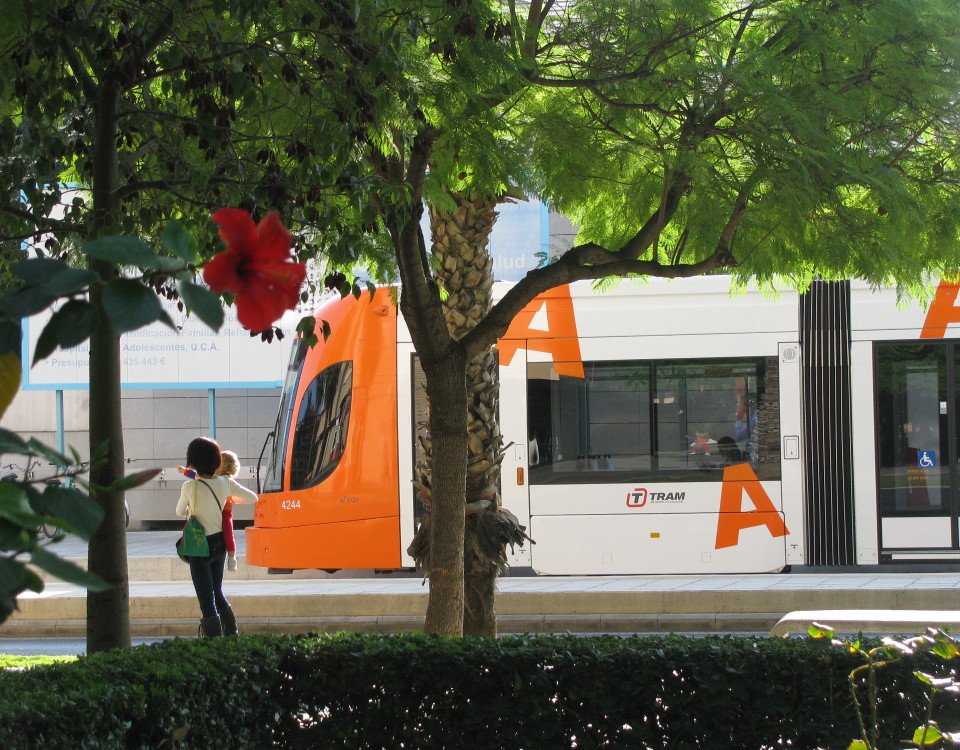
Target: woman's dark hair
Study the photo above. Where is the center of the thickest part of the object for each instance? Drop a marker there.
(203, 454)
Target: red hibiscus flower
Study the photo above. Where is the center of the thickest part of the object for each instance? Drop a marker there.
(255, 267)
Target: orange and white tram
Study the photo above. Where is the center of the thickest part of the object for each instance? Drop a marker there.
(663, 428)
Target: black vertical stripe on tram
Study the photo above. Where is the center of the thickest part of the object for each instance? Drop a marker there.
(827, 441)
(953, 388)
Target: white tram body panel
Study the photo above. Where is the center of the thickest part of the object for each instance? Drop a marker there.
(607, 511)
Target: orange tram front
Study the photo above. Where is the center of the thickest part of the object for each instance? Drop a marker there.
(330, 497)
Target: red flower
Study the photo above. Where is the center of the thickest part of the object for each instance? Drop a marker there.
(255, 267)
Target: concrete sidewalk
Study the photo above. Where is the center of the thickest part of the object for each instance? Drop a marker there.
(162, 601)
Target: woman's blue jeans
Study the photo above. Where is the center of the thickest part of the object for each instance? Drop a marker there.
(207, 575)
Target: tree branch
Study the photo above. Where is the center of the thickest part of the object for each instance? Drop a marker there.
(87, 82)
(496, 323)
(45, 223)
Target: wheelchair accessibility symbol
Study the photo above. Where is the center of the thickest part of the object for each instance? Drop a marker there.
(926, 459)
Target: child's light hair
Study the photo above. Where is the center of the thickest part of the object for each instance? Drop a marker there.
(229, 464)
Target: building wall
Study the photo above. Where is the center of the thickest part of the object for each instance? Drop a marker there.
(157, 426)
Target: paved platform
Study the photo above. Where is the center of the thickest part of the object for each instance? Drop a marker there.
(162, 601)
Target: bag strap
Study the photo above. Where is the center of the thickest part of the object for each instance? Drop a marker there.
(193, 505)
(219, 504)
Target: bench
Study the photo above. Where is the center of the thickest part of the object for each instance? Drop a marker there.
(881, 621)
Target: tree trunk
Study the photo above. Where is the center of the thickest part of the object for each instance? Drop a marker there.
(460, 243)
(108, 612)
(448, 426)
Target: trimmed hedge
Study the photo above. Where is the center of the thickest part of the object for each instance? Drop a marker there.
(222, 689)
(417, 691)
(568, 692)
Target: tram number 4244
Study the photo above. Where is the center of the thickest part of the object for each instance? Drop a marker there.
(295, 504)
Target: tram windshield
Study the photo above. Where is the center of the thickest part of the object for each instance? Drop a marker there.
(273, 481)
(673, 420)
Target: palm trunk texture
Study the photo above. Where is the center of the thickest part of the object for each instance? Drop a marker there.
(460, 243)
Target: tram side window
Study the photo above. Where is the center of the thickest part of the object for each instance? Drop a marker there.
(656, 421)
(320, 434)
(913, 429)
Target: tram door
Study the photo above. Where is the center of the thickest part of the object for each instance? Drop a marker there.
(917, 401)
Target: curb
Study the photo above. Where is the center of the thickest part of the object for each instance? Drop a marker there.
(394, 624)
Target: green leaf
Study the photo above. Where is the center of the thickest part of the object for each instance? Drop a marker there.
(133, 480)
(858, 745)
(946, 649)
(927, 735)
(816, 630)
(306, 325)
(13, 580)
(10, 442)
(11, 334)
(25, 302)
(171, 266)
(36, 447)
(15, 507)
(176, 240)
(122, 250)
(67, 571)
(13, 577)
(69, 281)
(36, 271)
(203, 303)
(70, 325)
(130, 305)
(100, 453)
(72, 509)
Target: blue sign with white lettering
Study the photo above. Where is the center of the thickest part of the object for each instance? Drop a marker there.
(926, 459)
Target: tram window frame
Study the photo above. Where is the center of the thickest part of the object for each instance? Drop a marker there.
(320, 432)
(657, 407)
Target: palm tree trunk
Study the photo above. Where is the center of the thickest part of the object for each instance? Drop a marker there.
(460, 243)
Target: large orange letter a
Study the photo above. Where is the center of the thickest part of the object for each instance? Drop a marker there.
(738, 480)
(560, 338)
(943, 311)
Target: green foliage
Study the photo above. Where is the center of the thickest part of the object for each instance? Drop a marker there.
(361, 691)
(18, 661)
(24, 506)
(129, 302)
(837, 122)
(219, 690)
(871, 715)
(555, 692)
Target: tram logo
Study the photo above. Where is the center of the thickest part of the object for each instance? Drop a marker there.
(637, 498)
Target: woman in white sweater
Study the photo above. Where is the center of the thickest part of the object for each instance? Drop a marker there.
(204, 497)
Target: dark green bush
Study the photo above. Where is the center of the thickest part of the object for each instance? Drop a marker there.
(222, 689)
(356, 691)
(567, 692)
